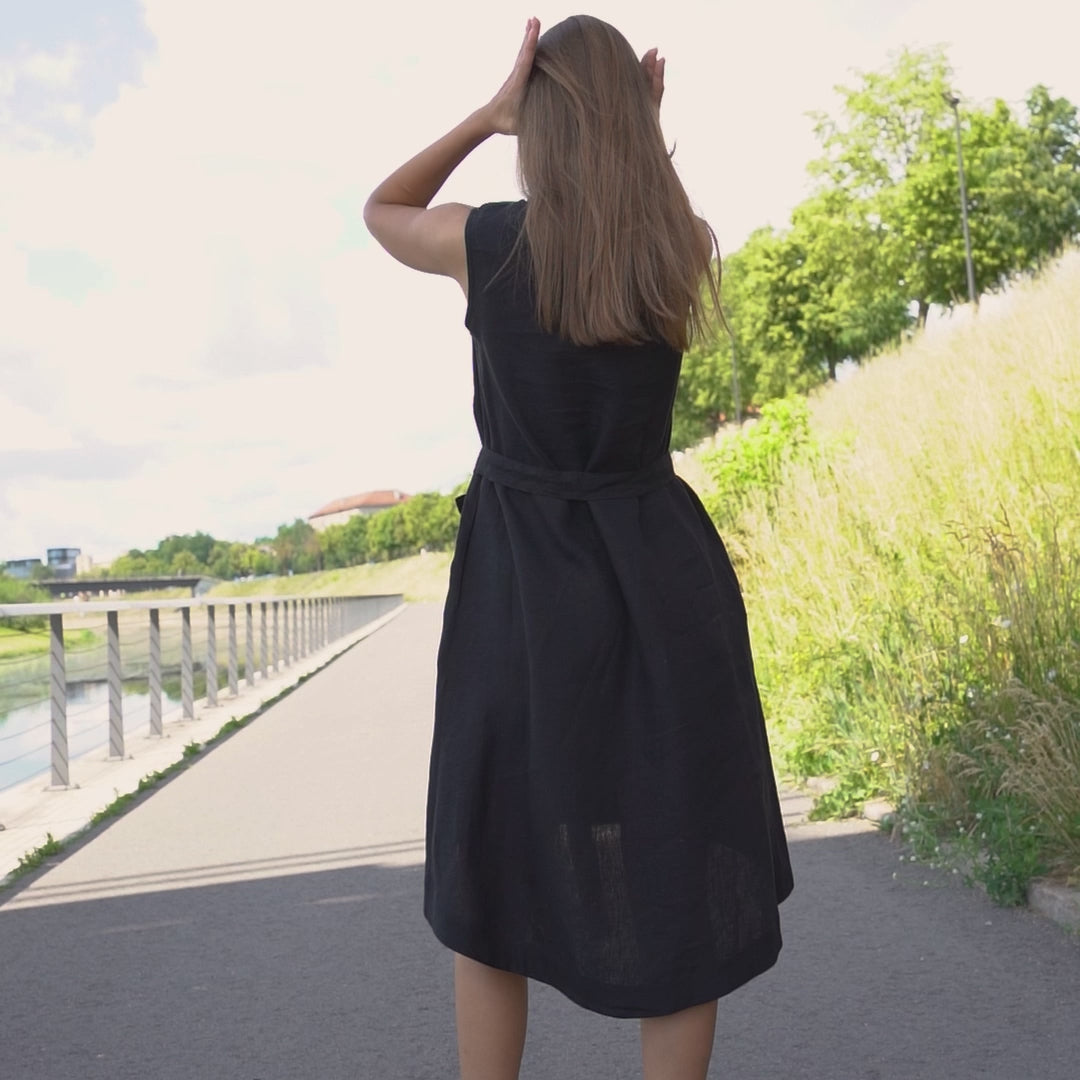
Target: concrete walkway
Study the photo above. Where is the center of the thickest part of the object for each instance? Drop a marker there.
(31, 812)
(259, 918)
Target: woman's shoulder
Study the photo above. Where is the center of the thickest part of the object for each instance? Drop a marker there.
(491, 226)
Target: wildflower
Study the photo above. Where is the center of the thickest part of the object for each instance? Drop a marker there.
(1051, 675)
(874, 755)
(1002, 622)
(963, 639)
(978, 816)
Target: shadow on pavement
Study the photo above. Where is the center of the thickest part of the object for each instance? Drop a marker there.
(333, 973)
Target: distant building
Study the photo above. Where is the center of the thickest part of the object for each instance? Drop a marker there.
(84, 564)
(21, 568)
(62, 561)
(340, 510)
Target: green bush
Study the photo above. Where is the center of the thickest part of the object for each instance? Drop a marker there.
(16, 591)
(753, 461)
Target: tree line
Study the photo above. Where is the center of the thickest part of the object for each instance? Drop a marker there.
(878, 241)
(426, 522)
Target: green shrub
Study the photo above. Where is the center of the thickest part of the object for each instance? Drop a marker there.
(15, 591)
(753, 461)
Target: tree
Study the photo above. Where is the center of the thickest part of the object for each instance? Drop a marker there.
(847, 306)
(430, 521)
(136, 564)
(356, 539)
(228, 560)
(886, 134)
(184, 562)
(1044, 197)
(762, 297)
(704, 398)
(297, 548)
(198, 545)
(892, 154)
(332, 542)
(387, 537)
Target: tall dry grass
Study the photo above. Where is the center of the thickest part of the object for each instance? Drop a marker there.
(914, 591)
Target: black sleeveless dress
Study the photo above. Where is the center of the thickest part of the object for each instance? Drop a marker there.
(602, 813)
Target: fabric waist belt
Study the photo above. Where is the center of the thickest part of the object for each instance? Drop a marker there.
(573, 485)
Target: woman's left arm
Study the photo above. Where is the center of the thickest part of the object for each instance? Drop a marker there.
(397, 214)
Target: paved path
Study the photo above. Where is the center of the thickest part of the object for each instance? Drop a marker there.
(259, 918)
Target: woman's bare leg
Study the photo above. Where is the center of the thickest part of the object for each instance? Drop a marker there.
(492, 1011)
(678, 1047)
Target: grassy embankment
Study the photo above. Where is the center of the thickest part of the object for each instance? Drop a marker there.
(418, 577)
(913, 585)
(17, 644)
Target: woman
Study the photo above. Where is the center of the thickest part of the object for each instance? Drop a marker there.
(602, 813)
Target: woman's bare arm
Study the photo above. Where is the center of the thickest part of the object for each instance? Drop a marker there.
(397, 214)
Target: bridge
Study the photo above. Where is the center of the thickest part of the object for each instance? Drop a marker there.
(61, 587)
(258, 917)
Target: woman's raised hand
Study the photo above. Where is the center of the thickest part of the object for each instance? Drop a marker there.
(652, 65)
(502, 110)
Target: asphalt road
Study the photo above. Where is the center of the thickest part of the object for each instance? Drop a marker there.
(259, 918)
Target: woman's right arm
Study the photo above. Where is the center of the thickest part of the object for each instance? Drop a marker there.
(397, 214)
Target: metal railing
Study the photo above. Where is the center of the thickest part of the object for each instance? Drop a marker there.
(287, 630)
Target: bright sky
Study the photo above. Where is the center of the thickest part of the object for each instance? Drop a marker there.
(196, 331)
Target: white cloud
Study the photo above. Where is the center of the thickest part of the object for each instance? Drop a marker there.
(53, 69)
(994, 52)
(252, 360)
(24, 429)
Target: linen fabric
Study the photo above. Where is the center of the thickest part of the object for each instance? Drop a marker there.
(602, 813)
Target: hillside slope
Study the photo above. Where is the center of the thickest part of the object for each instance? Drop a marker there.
(913, 586)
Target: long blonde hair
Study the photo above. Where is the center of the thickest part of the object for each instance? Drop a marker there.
(617, 253)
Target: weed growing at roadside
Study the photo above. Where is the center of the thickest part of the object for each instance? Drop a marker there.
(33, 859)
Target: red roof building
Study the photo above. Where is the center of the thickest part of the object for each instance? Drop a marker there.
(340, 510)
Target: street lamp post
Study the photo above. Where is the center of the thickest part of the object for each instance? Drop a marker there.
(954, 101)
